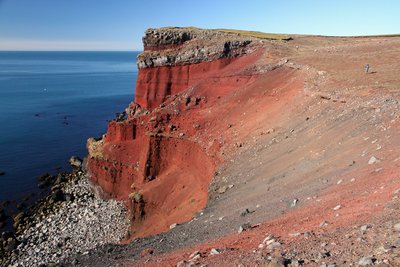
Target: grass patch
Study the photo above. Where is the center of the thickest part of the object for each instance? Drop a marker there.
(254, 34)
(380, 35)
(136, 196)
(261, 35)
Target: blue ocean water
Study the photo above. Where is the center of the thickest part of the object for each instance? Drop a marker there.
(50, 103)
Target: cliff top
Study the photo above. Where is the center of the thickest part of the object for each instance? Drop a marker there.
(241, 33)
(168, 46)
(179, 46)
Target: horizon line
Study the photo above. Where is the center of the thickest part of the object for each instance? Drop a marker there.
(1, 50)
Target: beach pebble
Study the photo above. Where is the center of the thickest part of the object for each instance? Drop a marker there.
(73, 227)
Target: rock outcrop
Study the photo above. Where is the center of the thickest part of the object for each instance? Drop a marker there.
(176, 58)
(165, 151)
(182, 46)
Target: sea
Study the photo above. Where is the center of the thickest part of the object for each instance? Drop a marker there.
(50, 104)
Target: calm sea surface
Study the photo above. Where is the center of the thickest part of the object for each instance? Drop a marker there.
(50, 103)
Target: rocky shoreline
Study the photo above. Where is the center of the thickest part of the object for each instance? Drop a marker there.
(71, 220)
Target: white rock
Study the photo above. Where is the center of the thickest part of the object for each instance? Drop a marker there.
(364, 261)
(274, 245)
(323, 224)
(270, 241)
(373, 160)
(294, 234)
(268, 238)
(215, 251)
(194, 254)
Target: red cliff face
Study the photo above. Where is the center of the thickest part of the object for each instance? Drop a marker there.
(161, 159)
(155, 84)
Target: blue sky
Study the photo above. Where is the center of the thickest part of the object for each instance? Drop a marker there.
(119, 24)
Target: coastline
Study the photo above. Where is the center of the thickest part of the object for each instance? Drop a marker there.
(83, 91)
(71, 220)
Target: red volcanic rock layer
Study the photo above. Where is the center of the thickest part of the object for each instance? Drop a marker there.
(171, 175)
(146, 155)
(159, 160)
(155, 84)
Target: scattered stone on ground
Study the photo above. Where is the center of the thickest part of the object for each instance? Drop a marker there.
(215, 251)
(294, 202)
(373, 160)
(365, 261)
(244, 227)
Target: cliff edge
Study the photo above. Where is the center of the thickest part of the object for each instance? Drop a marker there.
(160, 157)
(287, 140)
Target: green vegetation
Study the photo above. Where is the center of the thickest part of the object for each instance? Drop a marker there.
(261, 35)
(271, 36)
(381, 35)
(254, 34)
(136, 196)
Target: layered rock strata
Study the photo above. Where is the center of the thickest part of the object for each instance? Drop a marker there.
(159, 158)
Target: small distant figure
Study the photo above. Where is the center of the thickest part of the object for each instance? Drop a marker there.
(366, 68)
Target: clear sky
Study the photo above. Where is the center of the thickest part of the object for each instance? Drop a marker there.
(119, 24)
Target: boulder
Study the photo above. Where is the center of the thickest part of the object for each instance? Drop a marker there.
(146, 252)
(19, 216)
(18, 219)
(244, 227)
(60, 179)
(58, 195)
(75, 162)
(12, 244)
(3, 216)
(43, 177)
(43, 184)
(365, 261)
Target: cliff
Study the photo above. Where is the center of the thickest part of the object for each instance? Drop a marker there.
(289, 141)
(162, 156)
(176, 58)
